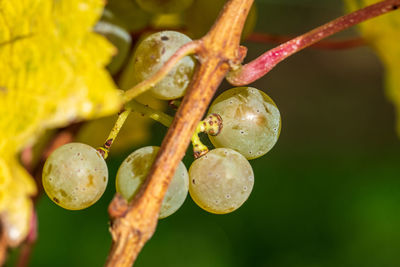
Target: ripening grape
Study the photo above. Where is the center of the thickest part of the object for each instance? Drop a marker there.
(251, 121)
(150, 56)
(164, 6)
(75, 176)
(221, 181)
(133, 171)
(120, 38)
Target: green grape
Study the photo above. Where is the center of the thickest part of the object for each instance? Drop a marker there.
(133, 171)
(127, 14)
(75, 176)
(251, 121)
(150, 56)
(164, 6)
(120, 38)
(200, 16)
(220, 181)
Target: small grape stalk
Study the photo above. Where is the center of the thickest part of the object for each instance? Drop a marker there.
(75, 176)
(211, 125)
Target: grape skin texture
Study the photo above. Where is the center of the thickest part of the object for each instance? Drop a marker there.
(251, 121)
(164, 6)
(133, 171)
(150, 56)
(221, 181)
(75, 176)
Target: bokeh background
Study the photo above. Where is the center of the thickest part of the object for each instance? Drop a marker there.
(328, 194)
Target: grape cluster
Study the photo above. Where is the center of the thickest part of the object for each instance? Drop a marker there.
(243, 123)
(222, 180)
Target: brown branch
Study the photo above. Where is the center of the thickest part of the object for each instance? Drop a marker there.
(134, 223)
(267, 61)
(324, 44)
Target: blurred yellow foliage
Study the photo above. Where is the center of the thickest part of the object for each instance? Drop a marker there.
(383, 34)
(136, 128)
(51, 74)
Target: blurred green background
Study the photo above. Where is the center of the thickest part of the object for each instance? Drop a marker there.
(328, 194)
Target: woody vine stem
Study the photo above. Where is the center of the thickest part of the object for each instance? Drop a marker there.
(218, 52)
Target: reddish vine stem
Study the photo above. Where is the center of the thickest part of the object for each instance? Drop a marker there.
(3, 245)
(27, 246)
(323, 45)
(263, 64)
(134, 223)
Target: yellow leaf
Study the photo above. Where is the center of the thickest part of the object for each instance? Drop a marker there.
(51, 74)
(383, 34)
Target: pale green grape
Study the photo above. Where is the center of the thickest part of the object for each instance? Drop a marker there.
(120, 38)
(202, 14)
(220, 181)
(133, 171)
(127, 14)
(251, 121)
(150, 56)
(75, 176)
(164, 6)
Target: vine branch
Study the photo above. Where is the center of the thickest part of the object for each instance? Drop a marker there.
(132, 224)
(263, 64)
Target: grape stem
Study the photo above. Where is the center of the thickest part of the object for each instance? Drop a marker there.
(211, 125)
(147, 111)
(260, 66)
(185, 50)
(132, 105)
(105, 148)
